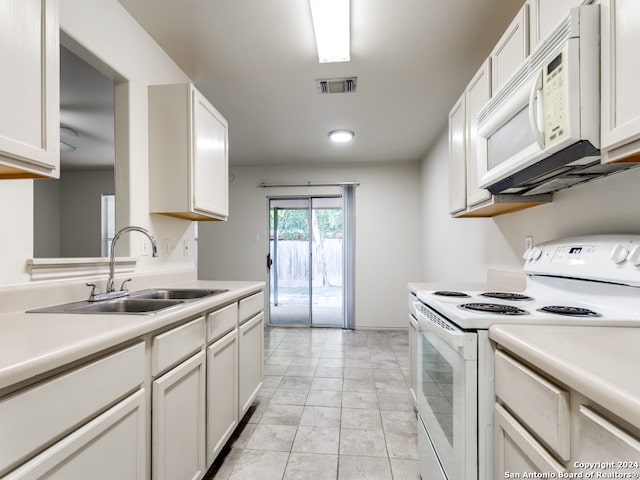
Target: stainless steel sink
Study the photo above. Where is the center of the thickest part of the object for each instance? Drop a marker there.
(176, 293)
(142, 302)
(127, 305)
(119, 306)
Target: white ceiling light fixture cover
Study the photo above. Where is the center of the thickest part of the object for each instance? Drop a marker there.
(331, 24)
(341, 136)
(65, 147)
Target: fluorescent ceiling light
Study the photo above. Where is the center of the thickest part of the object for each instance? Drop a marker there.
(331, 27)
(341, 136)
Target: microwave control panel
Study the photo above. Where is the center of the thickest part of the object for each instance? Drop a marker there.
(554, 98)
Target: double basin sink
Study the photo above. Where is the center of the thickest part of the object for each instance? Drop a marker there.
(142, 302)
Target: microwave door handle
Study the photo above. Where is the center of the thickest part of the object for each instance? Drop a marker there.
(533, 110)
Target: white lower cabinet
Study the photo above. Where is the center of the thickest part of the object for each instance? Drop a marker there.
(543, 428)
(178, 422)
(112, 446)
(222, 392)
(161, 408)
(57, 409)
(250, 361)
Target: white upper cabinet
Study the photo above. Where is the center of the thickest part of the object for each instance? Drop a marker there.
(478, 93)
(544, 15)
(457, 159)
(29, 89)
(620, 102)
(188, 155)
(466, 199)
(511, 50)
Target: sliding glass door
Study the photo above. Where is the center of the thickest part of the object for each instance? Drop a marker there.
(306, 261)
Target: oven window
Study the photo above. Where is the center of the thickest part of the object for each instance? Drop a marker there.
(437, 387)
(510, 139)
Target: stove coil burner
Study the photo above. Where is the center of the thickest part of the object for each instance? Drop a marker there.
(506, 296)
(572, 311)
(449, 293)
(493, 308)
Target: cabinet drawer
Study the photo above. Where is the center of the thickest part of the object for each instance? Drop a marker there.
(541, 405)
(250, 306)
(171, 347)
(600, 439)
(517, 451)
(222, 321)
(31, 419)
(112, 444)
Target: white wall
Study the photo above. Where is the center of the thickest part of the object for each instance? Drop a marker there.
(81, 211)
(388, 253)
(463, 249)
(108, 33)
(453, 249)
(68, 214)
(46, 218)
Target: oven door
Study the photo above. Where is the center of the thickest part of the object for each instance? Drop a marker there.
(447, 393)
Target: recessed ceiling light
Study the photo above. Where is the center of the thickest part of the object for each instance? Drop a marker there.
(331, 24)
(341, 136)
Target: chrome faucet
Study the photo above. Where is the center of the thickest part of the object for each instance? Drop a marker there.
(111, 291)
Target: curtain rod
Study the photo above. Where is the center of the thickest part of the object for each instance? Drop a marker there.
(308, 184)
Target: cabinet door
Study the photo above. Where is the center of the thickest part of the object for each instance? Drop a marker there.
(457, 162)
(601, 441)
(516, 450)
(251, 360)
(620, 121)
(110, 447)
(511, 50)
(210, 175)
(544, 15)
(178, 422)
(478, 94)
(222, 392)
(29, 89)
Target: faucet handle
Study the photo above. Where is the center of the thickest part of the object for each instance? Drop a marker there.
(94, 289)
(123, 287)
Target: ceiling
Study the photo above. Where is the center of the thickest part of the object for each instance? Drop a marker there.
(255, 60)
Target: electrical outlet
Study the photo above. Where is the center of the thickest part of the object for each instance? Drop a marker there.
(167, 247)
(144, 248)
(186, 248)
(528, 242)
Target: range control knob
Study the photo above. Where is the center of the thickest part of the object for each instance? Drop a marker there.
(536, 253)
(619, 253)
(634, 256)
(527, 254)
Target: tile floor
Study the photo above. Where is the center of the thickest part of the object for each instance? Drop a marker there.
(334, 405)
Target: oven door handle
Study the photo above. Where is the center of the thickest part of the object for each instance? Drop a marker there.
(463, 342)
(455, 338)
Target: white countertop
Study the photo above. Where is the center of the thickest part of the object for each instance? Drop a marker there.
(35, 343)
(600, 363)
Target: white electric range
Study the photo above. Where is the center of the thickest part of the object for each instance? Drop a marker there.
(590, 280)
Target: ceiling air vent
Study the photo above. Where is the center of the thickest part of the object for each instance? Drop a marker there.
(337, 85)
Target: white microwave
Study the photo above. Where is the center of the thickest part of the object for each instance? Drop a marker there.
(541, 131)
